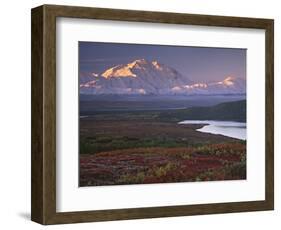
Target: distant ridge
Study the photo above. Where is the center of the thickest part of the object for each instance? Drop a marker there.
(227, 111)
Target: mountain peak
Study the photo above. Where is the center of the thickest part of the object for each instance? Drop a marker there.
(119, 71)
(141, 61)
(157, 65)
(137, 63)
(130, 69)
(228, 81)
(229, 78)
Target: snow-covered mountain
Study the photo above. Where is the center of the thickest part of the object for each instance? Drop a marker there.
(230, 85)
(145, 77)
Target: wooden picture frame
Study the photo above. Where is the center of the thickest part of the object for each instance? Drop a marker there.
(43, 208)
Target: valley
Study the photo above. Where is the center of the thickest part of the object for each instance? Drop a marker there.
(149, 146)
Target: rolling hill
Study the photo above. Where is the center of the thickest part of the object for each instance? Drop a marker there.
(228, 111)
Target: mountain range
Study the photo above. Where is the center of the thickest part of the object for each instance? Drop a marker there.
(142, 77)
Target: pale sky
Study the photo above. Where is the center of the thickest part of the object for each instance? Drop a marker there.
(199, 64)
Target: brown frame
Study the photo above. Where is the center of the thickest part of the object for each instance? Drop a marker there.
(43, 201)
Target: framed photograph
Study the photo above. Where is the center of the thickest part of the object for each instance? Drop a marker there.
(141, 114)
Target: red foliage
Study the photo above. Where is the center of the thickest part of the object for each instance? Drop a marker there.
(160, 165)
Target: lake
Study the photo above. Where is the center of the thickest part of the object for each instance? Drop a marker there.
(226, 128)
